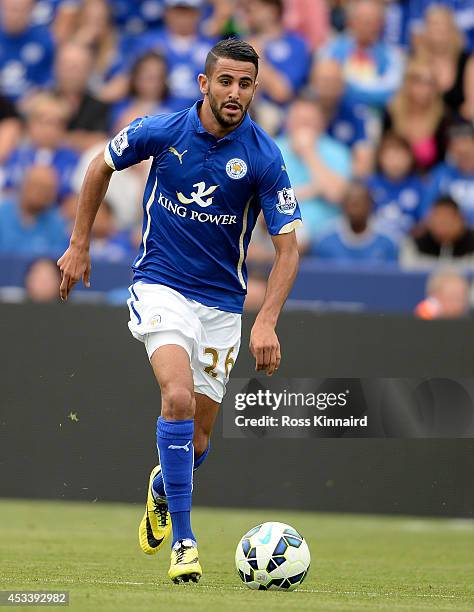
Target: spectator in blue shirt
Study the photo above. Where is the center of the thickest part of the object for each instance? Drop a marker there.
(345, 122)
(32, 225)
(183, 47)
(396, 190)
(372, 69)
(46, 121)
(136, 17)
(107, 243)
(26, 51)
(318, 166)
(353, 239)
(455, 176)
(285, 60)
(396, 23)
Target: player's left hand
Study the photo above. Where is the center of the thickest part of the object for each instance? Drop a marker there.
(265, 347)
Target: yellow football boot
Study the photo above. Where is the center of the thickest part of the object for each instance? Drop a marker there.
(184, 562)
(155, 525)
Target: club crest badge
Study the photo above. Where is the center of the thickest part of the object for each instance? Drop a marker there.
(236, 168)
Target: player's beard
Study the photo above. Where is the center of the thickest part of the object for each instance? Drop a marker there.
(220, 118)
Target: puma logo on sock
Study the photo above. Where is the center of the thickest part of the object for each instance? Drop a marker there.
(184, 447)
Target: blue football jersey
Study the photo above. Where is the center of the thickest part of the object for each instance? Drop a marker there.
(398, 205)
(201, 202)
(26, 61)
(348, 124)
(62, 159)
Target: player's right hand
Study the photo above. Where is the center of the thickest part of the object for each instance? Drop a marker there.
(74, 265)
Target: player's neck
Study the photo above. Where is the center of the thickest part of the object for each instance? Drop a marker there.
(210, 123)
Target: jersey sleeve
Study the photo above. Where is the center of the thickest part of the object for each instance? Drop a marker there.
(135, 143)
(277, 199)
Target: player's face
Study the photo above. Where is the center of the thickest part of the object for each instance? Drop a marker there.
(230, 90)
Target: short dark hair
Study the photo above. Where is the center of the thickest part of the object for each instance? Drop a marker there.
(448, 202)
(360, 185)
(231, 48)
(460, 127)
(391, 138)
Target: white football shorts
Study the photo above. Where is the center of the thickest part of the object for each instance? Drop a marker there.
(160, 315)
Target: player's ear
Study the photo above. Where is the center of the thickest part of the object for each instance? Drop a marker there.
(254, 90)
(203, 83)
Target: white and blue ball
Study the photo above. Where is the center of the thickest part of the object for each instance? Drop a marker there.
(272, 556)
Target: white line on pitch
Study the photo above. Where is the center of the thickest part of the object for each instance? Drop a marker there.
(242, 588)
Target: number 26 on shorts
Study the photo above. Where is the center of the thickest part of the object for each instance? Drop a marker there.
(228, 363)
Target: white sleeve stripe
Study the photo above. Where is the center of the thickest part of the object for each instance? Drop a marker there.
(289, 227)
(108, 158)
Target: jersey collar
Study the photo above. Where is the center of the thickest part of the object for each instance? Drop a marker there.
(197, 125)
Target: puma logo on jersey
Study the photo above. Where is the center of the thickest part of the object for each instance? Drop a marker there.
(198, 195)
(184, 447)
(178, 155)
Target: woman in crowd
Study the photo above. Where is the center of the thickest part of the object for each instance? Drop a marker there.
(147, 93)
(96, 30)
(418, 114)
(441, 45)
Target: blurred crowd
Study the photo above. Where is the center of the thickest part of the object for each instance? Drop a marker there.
(371, 102)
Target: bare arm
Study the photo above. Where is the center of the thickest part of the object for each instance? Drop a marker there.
(75, 263)
(330, 184)
(271, 81)
(215, 24)
(115, 89)
(467, 108)
(65, 23)
(10, 133)
(324, 181)
(363, 155)
(264, 344)
(274, 83)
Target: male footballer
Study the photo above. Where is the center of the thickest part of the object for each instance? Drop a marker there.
(213, 171)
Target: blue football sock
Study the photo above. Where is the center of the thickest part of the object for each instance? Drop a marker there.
(174, 441)
(181, 524)
(158, 484)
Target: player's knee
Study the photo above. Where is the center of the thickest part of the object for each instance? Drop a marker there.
(177, 403)
(200, 442)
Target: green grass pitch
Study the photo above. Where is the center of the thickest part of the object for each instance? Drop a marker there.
(358, 562)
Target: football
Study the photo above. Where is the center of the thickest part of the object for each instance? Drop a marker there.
(272, 556)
